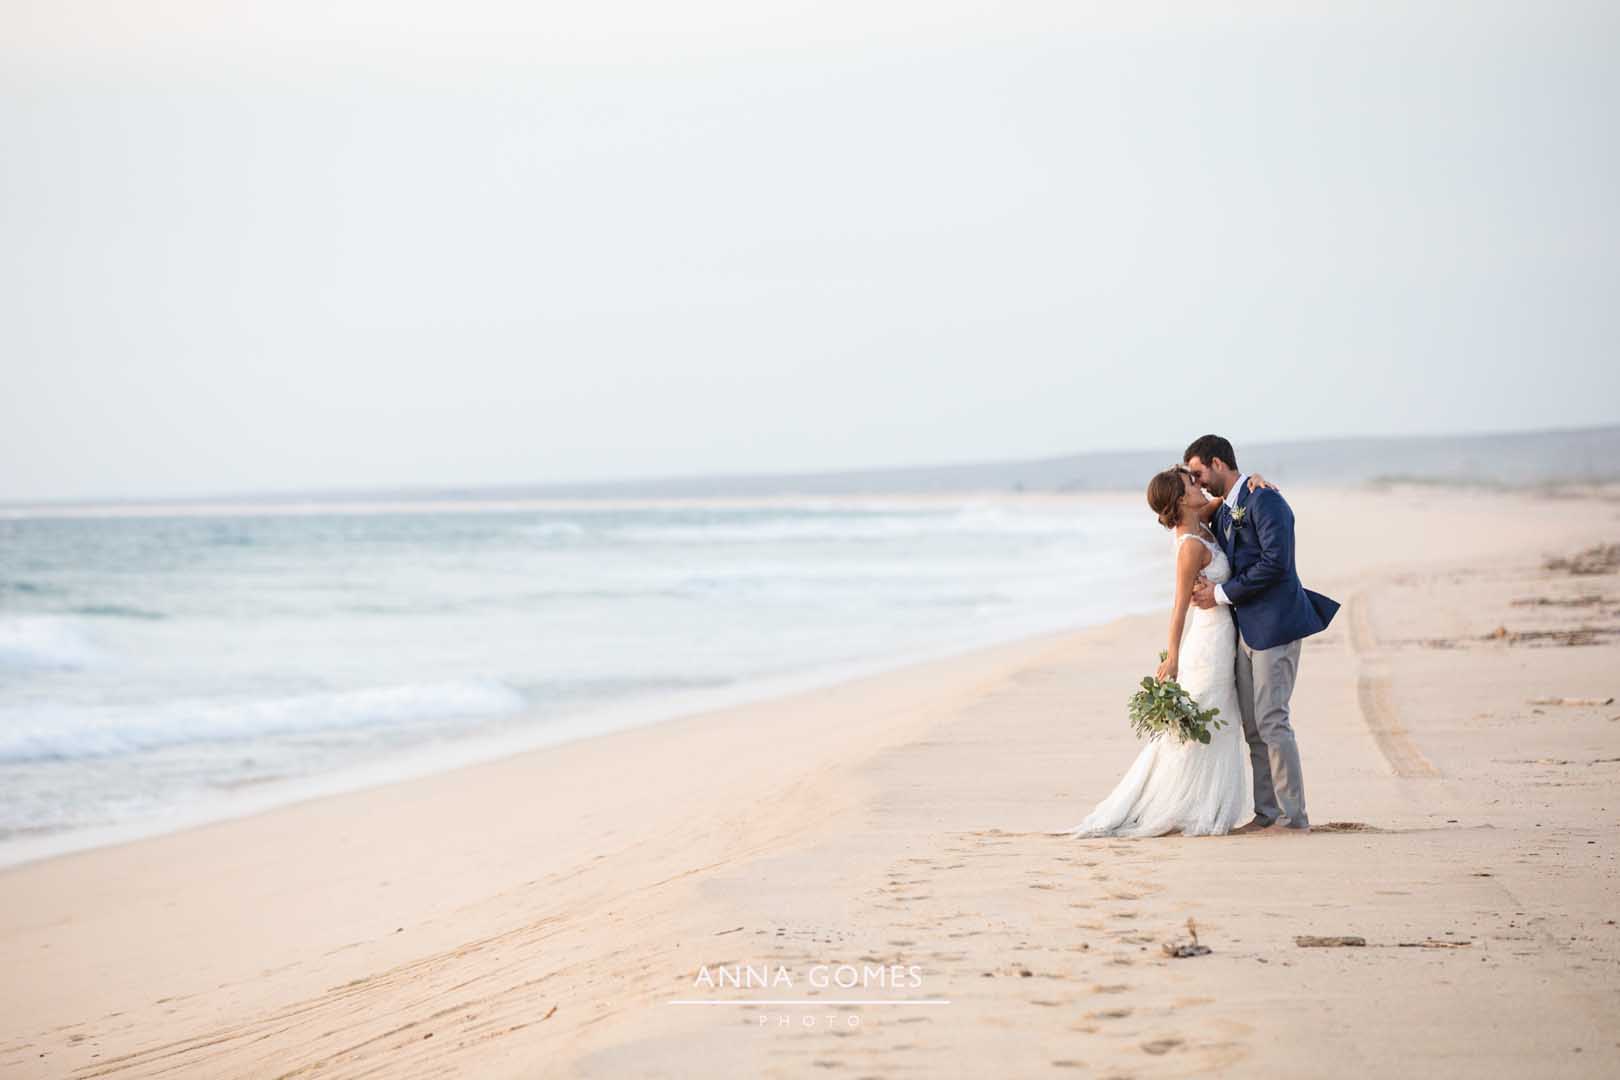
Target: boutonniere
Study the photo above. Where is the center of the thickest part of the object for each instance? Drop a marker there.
(1239, 514)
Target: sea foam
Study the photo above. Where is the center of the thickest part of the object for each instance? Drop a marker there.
(68, 732)
(45, 643)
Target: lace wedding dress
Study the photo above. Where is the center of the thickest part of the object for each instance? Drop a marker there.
(1198, 789)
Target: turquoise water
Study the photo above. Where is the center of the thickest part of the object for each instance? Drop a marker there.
(162, 666)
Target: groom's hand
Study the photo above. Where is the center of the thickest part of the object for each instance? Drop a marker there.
(1203, 593)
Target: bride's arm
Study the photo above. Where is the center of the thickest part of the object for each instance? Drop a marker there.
(1189, 561)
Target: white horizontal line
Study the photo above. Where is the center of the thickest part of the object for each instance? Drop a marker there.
(881, 1001)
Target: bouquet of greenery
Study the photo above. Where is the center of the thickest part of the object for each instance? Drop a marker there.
(1166, 707)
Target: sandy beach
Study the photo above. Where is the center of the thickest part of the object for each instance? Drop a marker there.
(537, 916)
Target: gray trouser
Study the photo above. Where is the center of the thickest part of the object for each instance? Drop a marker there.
(1265, 682)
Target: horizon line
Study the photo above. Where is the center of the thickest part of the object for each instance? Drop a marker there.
(623, 486)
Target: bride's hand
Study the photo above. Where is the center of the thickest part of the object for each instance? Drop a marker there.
(1168, 669)
(1256, 482)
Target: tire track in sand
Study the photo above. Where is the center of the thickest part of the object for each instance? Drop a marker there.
(1373, 695)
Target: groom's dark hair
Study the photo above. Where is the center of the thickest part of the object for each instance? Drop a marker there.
(1207, 448)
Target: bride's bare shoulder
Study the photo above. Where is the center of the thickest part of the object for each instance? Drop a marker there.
(1196, 556)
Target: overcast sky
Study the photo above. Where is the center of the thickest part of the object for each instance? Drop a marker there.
(312, 244)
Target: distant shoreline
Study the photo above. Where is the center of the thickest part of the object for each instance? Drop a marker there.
(245, 507)
(1510, 460)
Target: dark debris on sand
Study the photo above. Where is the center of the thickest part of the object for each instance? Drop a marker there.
(1602, 559)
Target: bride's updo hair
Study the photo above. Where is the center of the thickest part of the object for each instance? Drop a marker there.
(1164, 494)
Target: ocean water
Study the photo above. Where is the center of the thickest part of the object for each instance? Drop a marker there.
(161, 670)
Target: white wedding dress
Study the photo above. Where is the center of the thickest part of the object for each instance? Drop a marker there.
(1198, 789)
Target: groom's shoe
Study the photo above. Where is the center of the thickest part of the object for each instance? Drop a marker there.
(1254, 826)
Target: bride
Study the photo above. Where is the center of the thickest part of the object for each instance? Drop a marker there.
(1196, 789)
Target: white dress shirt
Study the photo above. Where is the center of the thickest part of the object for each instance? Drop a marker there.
(1231, 504)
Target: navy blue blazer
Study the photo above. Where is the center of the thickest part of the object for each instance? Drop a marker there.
(1271, 606)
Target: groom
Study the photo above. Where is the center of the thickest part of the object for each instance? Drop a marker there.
(1274, 611)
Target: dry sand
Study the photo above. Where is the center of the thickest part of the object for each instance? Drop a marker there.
(535, 916)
